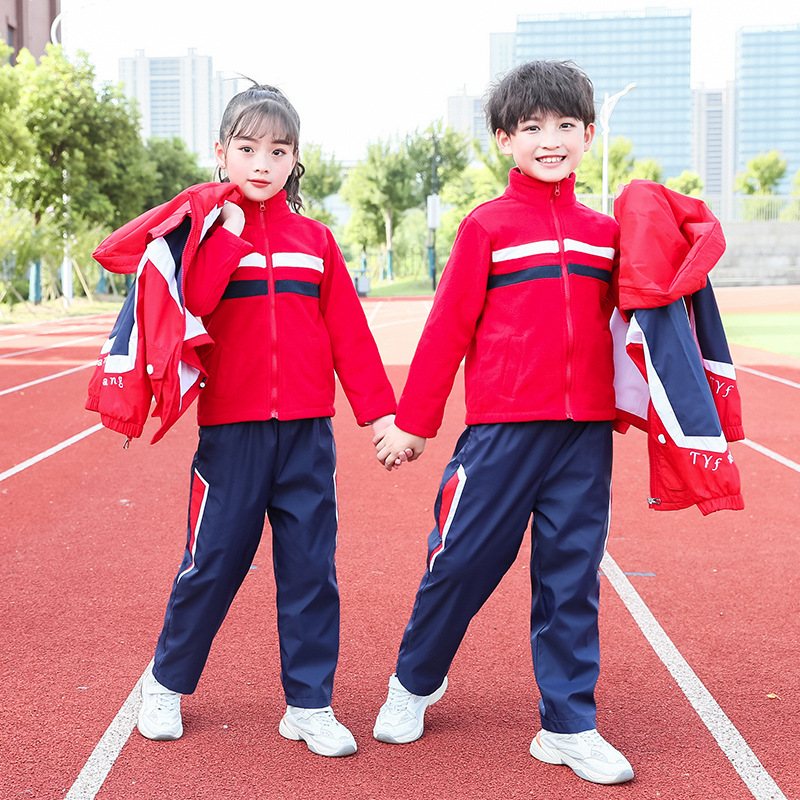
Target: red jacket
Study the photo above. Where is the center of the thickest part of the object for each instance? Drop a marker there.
(674, 375)
(526, 295)
(283, 319)
(274, 335)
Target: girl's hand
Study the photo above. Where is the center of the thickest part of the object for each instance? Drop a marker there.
(232, 218)
(394, 446)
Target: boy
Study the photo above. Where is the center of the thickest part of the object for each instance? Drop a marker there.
(526, 296)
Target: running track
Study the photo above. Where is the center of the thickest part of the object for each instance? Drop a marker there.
(699, 616)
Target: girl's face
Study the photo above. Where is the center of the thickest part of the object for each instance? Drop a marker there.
(258, 164)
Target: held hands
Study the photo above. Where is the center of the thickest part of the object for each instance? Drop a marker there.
(232, 218)
(394, 446)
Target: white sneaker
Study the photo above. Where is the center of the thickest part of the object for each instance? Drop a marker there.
(402, 717)
(587, 754)
(319, 728)
(160, 714)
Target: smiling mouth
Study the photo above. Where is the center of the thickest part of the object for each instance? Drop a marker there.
(551, 159)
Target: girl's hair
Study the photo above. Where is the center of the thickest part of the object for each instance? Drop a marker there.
(258, 110)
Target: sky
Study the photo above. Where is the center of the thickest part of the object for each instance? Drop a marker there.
(362, 70)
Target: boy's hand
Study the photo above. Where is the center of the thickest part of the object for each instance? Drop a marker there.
(394, 446)
(378, 427)
(232, 218)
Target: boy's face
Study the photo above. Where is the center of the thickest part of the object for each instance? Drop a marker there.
(549, 147)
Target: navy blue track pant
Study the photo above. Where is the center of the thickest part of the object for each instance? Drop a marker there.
(242, 471)
(500, 474)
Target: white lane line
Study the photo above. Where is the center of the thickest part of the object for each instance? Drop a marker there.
(53, 346)
(50, 452)
(731, 742)
(371, 317)
(769, 377)
(772, 454)
(9, 338)
(99, 763)
(46, 378)
(404, 321)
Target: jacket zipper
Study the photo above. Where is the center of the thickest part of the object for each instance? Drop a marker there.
(273, 318)
(567, 301)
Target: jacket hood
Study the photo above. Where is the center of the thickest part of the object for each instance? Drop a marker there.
(668, 244)
(122, 250)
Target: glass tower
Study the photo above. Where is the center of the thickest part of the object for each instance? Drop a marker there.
(768, 96)
(651, 48)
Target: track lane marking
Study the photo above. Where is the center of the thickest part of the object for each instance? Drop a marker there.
(769, 377)
(22, 386)
(371, 317)
(98, 765)
(54, 346)
(731, 742)
(759, 448)
(9, 473)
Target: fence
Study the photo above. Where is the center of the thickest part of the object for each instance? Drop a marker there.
(736, 207)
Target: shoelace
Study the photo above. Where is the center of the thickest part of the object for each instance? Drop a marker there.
(169, 702)
(397, 700)
(598, 746)
(326, 719)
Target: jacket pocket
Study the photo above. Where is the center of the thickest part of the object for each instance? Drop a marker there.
(512, 364)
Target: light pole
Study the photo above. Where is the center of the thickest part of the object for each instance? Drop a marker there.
(434, 211)
(603, 118)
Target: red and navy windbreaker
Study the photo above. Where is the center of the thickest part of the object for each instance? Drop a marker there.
(674, 375)
(526, 296)
(153, 351)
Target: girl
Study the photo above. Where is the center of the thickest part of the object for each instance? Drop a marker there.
(283, 317)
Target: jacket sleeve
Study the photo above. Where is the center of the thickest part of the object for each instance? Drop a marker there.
(355, 354)
(448, 332)
(215, 261)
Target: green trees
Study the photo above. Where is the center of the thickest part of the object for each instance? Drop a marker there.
(763, 174)
(622, 167)
(175, 169)
(73, 165)
(686, 183)
(759, 181)
(395, 177)
(323, 177)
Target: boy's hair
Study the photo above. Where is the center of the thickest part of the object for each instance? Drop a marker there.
(264, 109)
(538, 88)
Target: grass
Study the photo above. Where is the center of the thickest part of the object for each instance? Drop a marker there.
(80, 307)
(776, 333)
(403, 287)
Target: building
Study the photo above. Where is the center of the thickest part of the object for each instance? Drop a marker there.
(465, 115)
(651, 48)
(501, 54)
(768, 96)
(27, 23)
(179, 96)
(713, 150)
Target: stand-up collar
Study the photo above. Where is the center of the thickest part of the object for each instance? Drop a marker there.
(531, 190)
(275, 207)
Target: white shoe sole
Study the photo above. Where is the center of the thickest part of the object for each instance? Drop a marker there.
(549, 756)
(388, 738)
(290, 731)
(158, 736)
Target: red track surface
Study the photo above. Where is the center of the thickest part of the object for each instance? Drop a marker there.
(90, 539)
